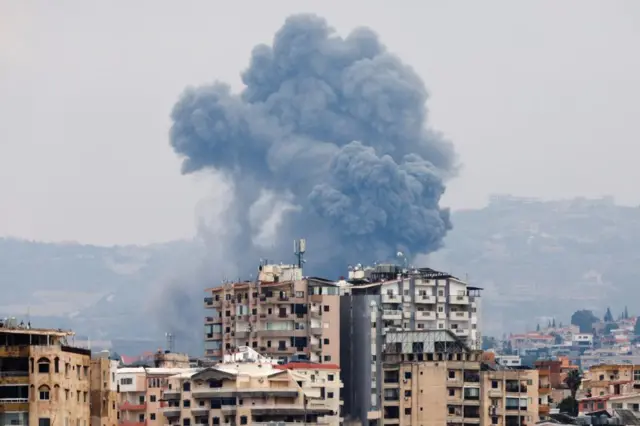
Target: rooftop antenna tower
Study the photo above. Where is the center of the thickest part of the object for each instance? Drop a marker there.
(299, 248)
(170, 341)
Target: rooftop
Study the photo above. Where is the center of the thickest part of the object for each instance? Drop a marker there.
(36, 331)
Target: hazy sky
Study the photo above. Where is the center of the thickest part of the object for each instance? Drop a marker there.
(540, 99)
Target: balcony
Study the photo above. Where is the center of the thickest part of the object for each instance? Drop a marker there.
(391, 315)
(171, 411)
(423, 298)
(128, 423)
(316, 331)
(458, 300)
(495, 393)
(14, 377)
(459, 315)
(463, 332)
(544, 389)
(425, 316)
(171, 395)
(131, 406)
(210, 302)
(515, 388)
(391, 298)
(14, 405)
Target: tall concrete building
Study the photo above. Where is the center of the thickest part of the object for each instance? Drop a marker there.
(44, 380)
(282, 315)
(510, 396)
(391, 315)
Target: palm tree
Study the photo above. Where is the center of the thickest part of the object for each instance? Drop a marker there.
(573, 382)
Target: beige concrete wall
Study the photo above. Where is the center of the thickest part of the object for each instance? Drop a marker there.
(104, 401)
(69, 387)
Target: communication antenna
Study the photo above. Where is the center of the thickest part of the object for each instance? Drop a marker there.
(299, 248)
(170, 341)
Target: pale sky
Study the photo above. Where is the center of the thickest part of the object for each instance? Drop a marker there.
(540, 99)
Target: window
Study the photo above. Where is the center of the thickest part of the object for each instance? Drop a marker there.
(186, 386)
(326, 341)
(327, 358)
(152, 416)
(329, 395)
(141, 418)
(186, 403)
(244, 420)
(56, 365)
(326, 308)
(452, 392)
(529, 382)
(216, 420)
(407, 393)
(299, 293)
(330, 377)
(44, 421)
(407, 411)
(141, 399)
(126, 381)
(152, 398)
(407, 375)
(44, 393)
(186, 422)
(494, 384)
(452, 374)
(43, 365)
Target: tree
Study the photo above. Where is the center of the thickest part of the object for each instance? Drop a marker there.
(568, 405)
(538, 327)
(584, 319)
(609, 327)
(607, 316)
(573, 382)
(557, 339)
(636, 329)
(553, 323)
(626, 313)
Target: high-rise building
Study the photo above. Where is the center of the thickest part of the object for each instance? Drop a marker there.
(44, 380)
(391, 315)
(281, 315)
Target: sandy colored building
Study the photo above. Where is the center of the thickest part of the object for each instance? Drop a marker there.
(510, 397)
(610, 386)
(44, 380)
(141, 394)
(104, 390)
(255, 394)
(281, 315)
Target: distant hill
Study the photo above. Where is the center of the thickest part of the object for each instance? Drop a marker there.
(533, 259)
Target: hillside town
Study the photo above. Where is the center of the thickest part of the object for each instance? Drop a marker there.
(386, 344)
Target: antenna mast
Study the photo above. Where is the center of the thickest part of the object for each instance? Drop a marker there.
(169, 337)
(299, 248)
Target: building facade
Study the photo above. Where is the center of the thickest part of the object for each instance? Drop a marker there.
(104, 390)
(510, 397)
(141, 394)
(281, 315)
(255, 394)
(421, 310)
(44, 381)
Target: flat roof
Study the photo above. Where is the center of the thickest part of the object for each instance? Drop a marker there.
(36, 331)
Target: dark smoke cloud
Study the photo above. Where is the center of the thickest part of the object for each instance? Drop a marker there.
(335, 128)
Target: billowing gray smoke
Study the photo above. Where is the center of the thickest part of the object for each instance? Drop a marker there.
(331, 133)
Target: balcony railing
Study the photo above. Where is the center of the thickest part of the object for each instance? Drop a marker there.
(14, 374)
(132, 406)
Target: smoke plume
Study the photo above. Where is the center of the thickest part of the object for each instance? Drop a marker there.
(329, 141)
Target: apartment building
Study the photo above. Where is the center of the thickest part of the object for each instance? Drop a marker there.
(141, 394)
(381, 307)
(43, 379)
(282, 315)
(509, 396)
(104, 390)
(254, 394)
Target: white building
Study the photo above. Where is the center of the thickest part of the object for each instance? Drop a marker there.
(509, 360)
